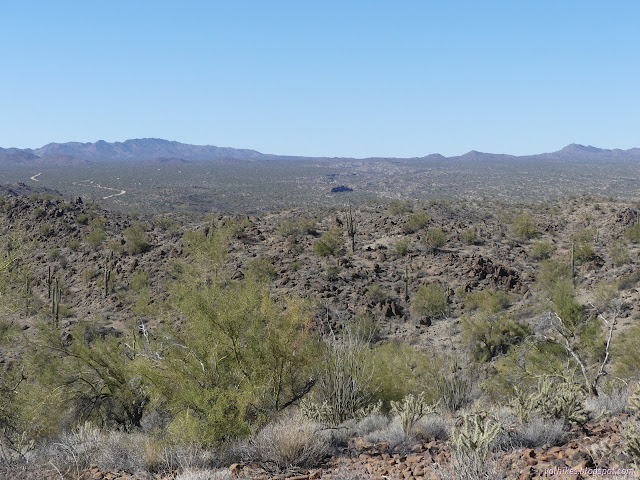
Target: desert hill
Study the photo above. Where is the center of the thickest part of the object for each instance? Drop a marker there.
(428, 276)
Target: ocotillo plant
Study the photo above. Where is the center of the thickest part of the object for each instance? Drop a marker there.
(351, 227)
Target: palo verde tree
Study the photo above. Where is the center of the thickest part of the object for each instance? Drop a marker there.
(81, 377)
(570, 337)
(239, 358)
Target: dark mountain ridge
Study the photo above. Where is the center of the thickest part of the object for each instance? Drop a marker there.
(156, 149)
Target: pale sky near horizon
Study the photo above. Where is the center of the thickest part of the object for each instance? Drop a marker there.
(323, 78)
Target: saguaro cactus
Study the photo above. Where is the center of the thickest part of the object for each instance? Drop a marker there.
(49, 282)
(55, 302)
(351, 227)
(107, 276)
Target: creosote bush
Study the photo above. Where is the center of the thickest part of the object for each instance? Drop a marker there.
(329, 244)
(524, 227)
(96, 237)
(399, 207)
(417, 221)
(470, 236)
(401, 247)
(430, 301)
(487, 301)
(435, 239)
(136, 240)
(541, 251)
(633, 233)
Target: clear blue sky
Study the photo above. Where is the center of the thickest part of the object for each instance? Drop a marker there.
(323, 78)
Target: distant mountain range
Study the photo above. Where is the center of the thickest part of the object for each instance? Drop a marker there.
(159, 150)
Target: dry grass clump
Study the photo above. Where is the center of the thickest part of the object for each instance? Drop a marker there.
(392, 433)
(469, 465)
(371, 423)
(432, 427)
(538, 431)
(611, 403)
(205, 475)
(290, 442)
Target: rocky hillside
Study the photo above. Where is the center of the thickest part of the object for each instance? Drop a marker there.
(417, 274)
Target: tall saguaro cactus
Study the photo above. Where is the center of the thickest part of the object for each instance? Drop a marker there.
(49, 282)
(351, 227)
(55, 302)
(107, 274)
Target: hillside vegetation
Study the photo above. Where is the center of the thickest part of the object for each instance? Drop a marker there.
(425, 339)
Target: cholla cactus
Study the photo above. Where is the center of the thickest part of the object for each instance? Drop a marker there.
(634, 401)
(370, 409)
(561, 400)
(411, 409)
(322, 412)
(632, 442)
(475, 432)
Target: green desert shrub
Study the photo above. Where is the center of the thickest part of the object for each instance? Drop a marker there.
(541, 251)
(332, 273)
(583, 246)
(401, 247)
(619, 253)
(418, 221)
(435, 239)
(489, 300)
(398, 371)
(625, 354)
(96, 237)
(470, 236)
(82, 219)
(399, 207)
(633, 233)
(377, 295)
(297, 226)
(90, 379)
(524, 227)
(239, 360)
(136, 240)
(550, 272)
(430, 301)
(73, 245)
(262, 268)
(39, 213)
(45, 230)
(329, 244)
(139, 281)
(488, 336)
(565, 305)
